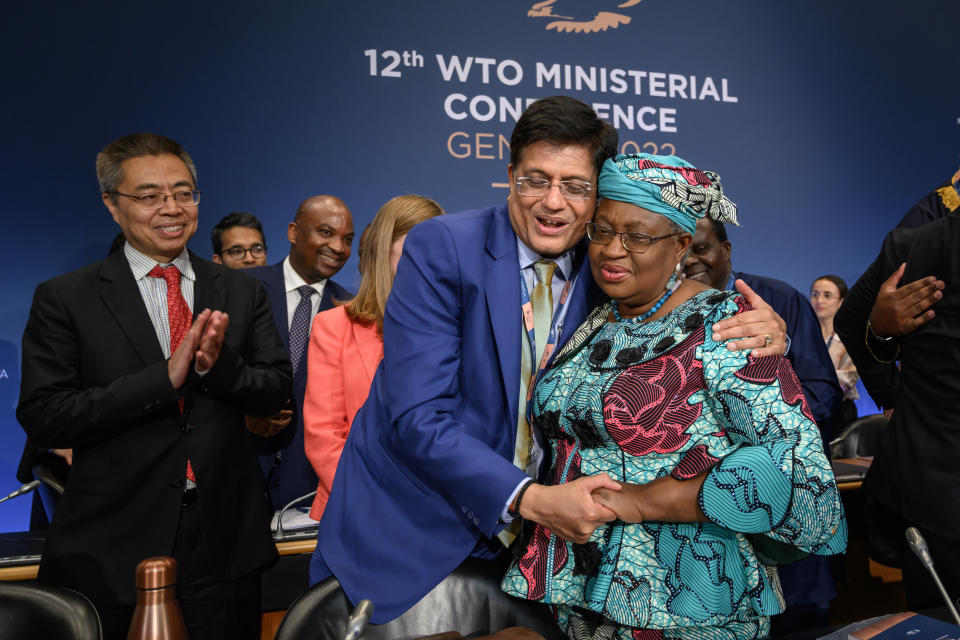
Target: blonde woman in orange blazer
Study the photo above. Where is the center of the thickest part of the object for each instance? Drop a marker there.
(346, 342)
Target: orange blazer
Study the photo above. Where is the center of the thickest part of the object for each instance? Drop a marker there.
(341, 360)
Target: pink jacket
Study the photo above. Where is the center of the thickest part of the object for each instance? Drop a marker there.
(341, 360)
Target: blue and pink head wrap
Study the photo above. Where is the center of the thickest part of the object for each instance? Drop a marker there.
(667, 185)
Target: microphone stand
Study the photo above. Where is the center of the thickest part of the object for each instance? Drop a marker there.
(358, 620)
(920, 549)
(27, 488)
(292, 503)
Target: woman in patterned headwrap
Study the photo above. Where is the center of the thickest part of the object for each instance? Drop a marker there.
(721, 468)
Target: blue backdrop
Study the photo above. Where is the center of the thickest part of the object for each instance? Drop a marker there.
(827, 120)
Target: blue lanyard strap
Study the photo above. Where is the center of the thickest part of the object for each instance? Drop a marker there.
(527, 318)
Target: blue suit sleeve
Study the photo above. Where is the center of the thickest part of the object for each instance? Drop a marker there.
(431, 432)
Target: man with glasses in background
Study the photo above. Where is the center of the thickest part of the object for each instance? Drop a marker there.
(144, 364)
(441, 463)
(238, 241)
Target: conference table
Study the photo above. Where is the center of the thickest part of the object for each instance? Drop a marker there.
(849, 472)
(20, 551)
(282, 582)
(288, 577)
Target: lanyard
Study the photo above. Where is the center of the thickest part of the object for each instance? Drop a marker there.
(527, 312)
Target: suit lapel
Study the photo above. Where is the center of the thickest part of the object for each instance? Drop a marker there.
(501, 270)
(277, 292)
(329, 294)
(120, 293)
(208, 290)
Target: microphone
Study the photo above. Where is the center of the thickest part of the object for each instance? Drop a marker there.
(358, 620)
(27, 488)
(920, 549)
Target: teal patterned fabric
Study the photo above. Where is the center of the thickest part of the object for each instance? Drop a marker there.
(640, 401)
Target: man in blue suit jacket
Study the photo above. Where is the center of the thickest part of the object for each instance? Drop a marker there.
(426, 478)
(320, 238)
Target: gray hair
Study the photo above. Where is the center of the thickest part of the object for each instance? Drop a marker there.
(135, 145)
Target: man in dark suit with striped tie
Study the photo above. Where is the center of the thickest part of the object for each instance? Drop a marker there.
(299, 287)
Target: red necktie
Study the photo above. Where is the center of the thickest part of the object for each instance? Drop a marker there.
(179, 319)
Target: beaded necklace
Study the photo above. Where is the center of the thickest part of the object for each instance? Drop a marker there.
(649, 312)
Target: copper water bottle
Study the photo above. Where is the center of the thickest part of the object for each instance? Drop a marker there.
(158, 615)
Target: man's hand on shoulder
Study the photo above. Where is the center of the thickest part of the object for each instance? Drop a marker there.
(568, 509)
(754, 327)
(901, 310)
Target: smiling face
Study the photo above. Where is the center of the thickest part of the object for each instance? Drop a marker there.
(320, 238)
(161, 232)
(550, 225)
(825, 298)
(708, 260)
(244, 238)
(635, 280)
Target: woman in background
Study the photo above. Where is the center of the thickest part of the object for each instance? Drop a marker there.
(346, 342)
(826, 296)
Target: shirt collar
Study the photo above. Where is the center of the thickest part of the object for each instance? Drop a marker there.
(292, 280)
(528, 256)
(141, 265)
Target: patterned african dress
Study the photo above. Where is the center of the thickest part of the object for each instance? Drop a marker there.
(640, 401)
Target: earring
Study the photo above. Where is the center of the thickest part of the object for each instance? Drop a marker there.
(674, 280)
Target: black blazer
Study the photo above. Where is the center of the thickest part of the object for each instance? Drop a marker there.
(94, 378)
(916, 472)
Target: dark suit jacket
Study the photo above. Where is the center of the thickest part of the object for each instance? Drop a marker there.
(293, 476)
(95, 379)
(916, 470)
(428, 465)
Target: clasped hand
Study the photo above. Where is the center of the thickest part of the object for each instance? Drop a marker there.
(270, 426)
(575, 509)
(200, 347)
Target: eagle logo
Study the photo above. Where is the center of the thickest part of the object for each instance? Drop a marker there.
(601, 21)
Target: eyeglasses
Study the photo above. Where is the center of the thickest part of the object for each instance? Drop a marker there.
(569, 189)
(632, 241)
(153, 200)
(239, 253)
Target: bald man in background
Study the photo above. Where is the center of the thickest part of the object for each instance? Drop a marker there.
(299, 286)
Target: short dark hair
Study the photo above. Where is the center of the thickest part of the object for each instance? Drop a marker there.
(718, 228)
(837, 280)
(563, 120)
(234, 219)
(136, 145)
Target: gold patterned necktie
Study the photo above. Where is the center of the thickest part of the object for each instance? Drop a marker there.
(538, 317)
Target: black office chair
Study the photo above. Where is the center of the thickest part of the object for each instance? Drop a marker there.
(469, 601)
(860, 439)
(52, 471)
(45, 611)
(317, 613)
